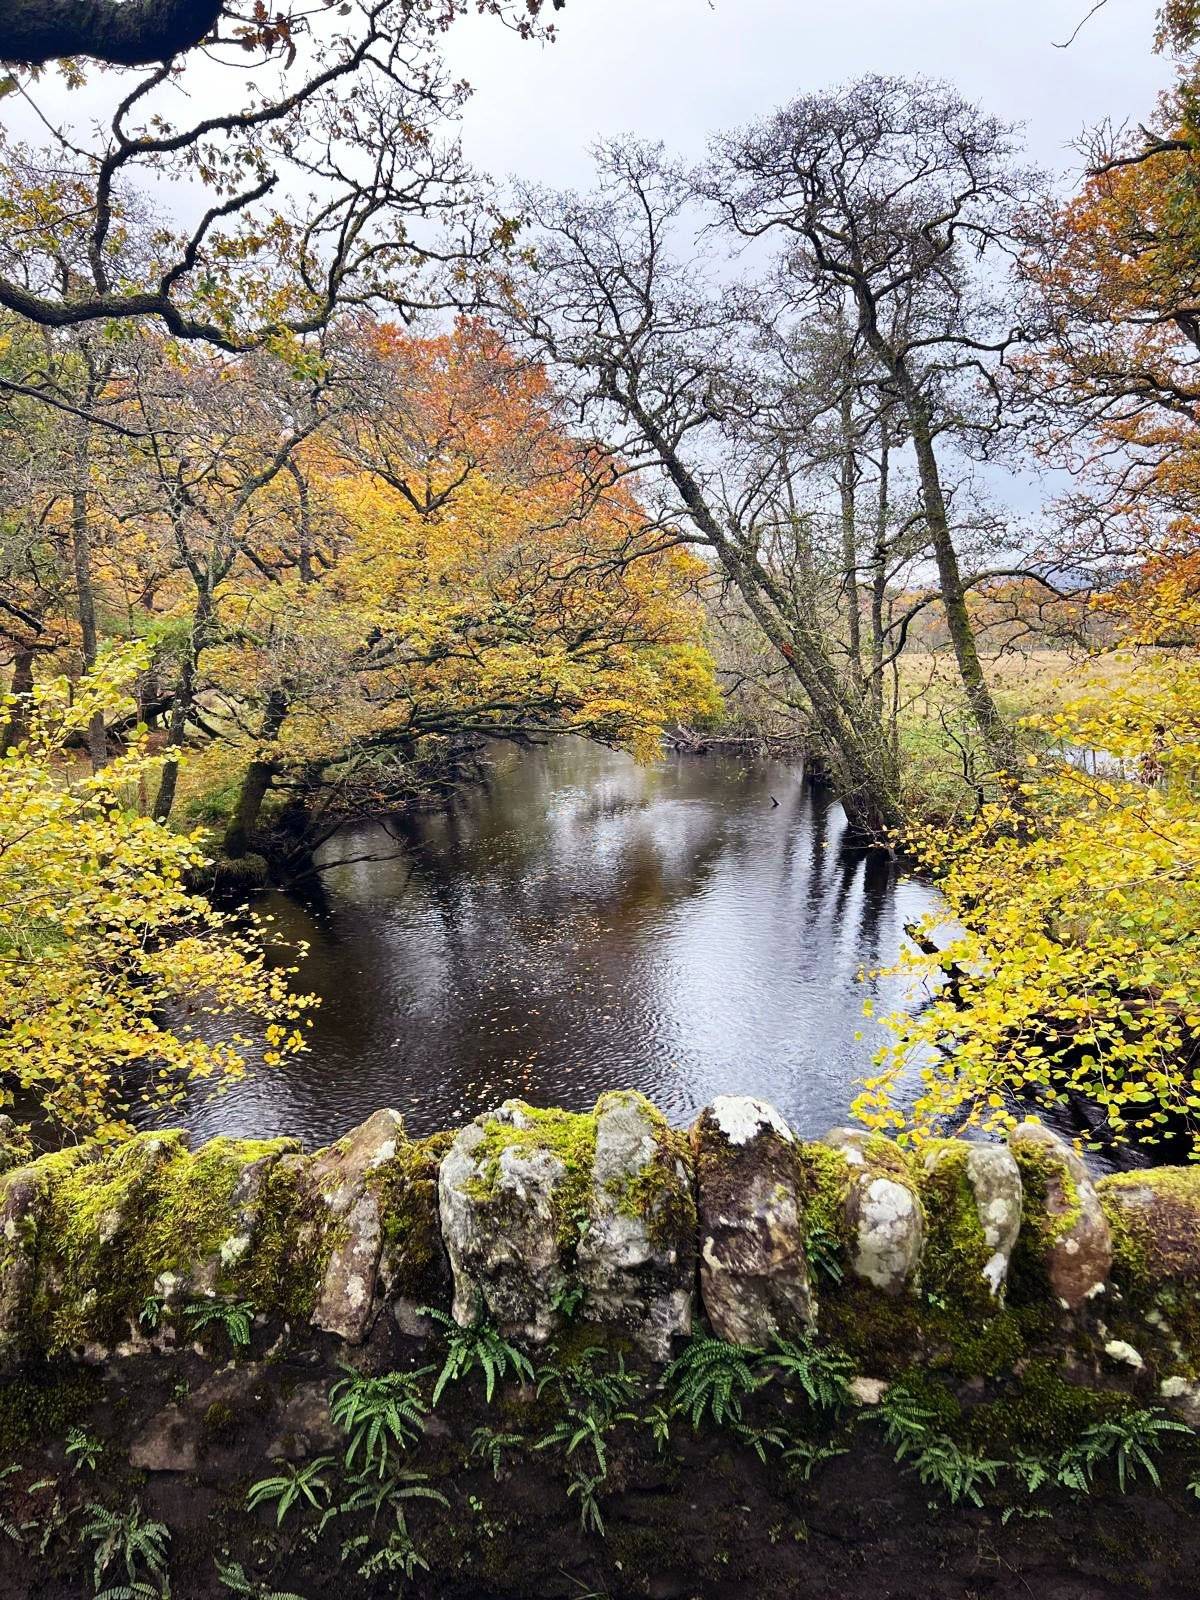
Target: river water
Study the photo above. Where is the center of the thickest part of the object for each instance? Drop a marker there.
(580, 923)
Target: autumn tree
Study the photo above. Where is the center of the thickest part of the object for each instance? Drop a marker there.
(474, 579)
(132, 33)
(109, 966)
(319, 182)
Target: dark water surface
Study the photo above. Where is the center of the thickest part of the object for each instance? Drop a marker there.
(581, 924)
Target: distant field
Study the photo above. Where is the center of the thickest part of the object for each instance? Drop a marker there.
(1025, 681)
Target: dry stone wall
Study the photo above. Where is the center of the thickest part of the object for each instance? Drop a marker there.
(972, 1258)
(195, 1313)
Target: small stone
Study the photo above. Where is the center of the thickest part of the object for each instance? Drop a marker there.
(304, 1428)
(867, 1391)
(1119, 1350)
(1182, 1396)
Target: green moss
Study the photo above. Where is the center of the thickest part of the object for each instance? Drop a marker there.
(955, 1250)
(1154, 1217)
(823, 1183)
(882, 1334)
(571, 1136)
(1041, 1230)
(292, 1245)
(118, 1219)
(656, 1194)
(1041, 1173)
(987, 1348)
(406, 1187)
(1158, 1240)
(1042, 1414)
(40, 1406)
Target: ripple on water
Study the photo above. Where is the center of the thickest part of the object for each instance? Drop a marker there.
(581, 923)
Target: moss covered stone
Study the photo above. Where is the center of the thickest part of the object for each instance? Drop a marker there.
(635, 1256)
(1065, 1237)
(145, 1218)
(513, 1193)
(753, 1242)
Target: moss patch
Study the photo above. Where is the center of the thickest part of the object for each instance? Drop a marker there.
(43, 1404)
(117, 1220)
(1042, 1414)
(407, 1191)
(1155, 1221)
(955, 1251)
(571, 1137)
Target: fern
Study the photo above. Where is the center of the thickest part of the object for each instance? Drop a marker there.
(806, 1455)
(235, 1317)
(128, 1539)
(232, 1576)
(958, 1473)
(1034, 1472)
(10, 1529)
(378, 1413)
(583, 1385)
(822, 1373)
(295, 1485)
(81, 1449)
(1134, 1440)
(567, 1300)
(824, 1250)
(371, 1495)
(758, 1438)
(488, 1445)
(712, 1376)
(478, 1347)
(576, 1429)
(658, 1420)
(583, 1489)
(907, 1424)
(397, 1553)
(151, 1313)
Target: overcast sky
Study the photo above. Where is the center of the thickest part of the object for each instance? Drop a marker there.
(677, 69)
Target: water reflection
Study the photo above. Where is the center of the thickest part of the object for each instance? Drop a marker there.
(579, 924)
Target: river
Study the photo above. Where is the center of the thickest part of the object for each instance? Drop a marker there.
(579, 923)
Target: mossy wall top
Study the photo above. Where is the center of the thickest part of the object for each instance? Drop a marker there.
(978, 1262)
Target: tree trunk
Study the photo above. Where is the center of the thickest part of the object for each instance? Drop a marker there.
(257, 780)
(879, 580)
(182, 704)
(993, 729)
(847, 487)
(21, 685)
(81, 551)
(997, 737)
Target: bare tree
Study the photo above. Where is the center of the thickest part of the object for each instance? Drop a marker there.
(891, 197)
